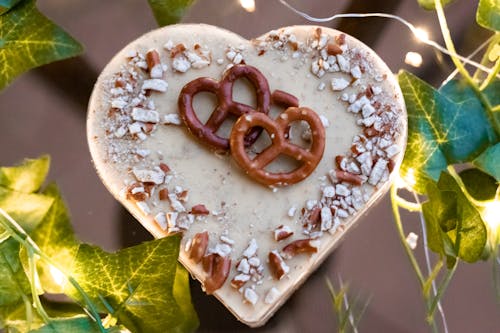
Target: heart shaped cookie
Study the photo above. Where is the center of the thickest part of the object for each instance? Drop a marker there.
(262, 153)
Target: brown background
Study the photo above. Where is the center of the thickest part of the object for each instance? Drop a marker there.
(44, 112)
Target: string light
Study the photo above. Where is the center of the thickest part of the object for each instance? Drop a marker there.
(248, 5)
(58, 276)
(413, 59)
(491, 216)
(419, 33)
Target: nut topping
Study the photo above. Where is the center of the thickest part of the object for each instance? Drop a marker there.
(199, 246)
(277, 265)
(218, 272)
(300, 246)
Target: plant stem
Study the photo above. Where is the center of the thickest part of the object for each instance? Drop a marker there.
(33, 278)
(461, 68)
(409, 206)
(442, 288)
(399, 226)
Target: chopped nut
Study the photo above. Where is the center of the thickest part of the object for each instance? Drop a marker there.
(243, 266)
(342, 190)
(223, 250)
(218, 272)
(348, 177)
(145, 115)
(154, 64)
(314, 216)
(161, 219)
(333, 49)
(291, 211)
(172, 119)
(175, 50)
(163, 194)
(377, 172)
(199, 209)
(165, 168)
(155, 84)
(198, 247)
(339, 84)
(326, 218)
(251, 250)
(250, 296)
(181, 64)
(277, 265)
(239, 280)
(329, 192)
(282, 232)
(254, 261)
(300, 246)
(155, 176)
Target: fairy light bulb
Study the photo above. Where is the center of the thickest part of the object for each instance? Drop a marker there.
(491, 216)
(413, 59)
(248, 5)
(421, 34)
(57, 276)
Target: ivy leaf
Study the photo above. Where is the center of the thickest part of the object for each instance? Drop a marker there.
(56, 238)
(135, 284)
(141, 286)
(430, 4)
(479, 185)
(169, 11)
(489, 161)
(182, 296)
(6, 5)
(14, 284)
(488, 14)
(454, 225)
(27, 177)
(26, 209)
(471, 131)
(28, 39)
(69, 325)
(441, 130)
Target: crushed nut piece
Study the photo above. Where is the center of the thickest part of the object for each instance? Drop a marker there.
(277, 265)
(300, 246)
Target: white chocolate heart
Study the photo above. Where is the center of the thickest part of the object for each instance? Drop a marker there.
(142, 149)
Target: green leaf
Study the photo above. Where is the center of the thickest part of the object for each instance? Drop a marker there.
(454, 225)
(27, 177)
(423, 161)
(135, 284)
(488, 14)
(27, 209)
(182, 296)
(169, 11)
(430, 4)
(69, 325)
(6, 5)
(479, 185)
(468, 129)
(489, 161)
(28, 39)
(55, 237)
(441, 130)
(14, 284)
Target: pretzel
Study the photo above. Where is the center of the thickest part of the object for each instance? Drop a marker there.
(223, 90)
(280, 145)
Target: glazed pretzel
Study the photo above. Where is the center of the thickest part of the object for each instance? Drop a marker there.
(223, 90)
(280, 145)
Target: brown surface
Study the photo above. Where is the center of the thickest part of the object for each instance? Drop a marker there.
(44, 112)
